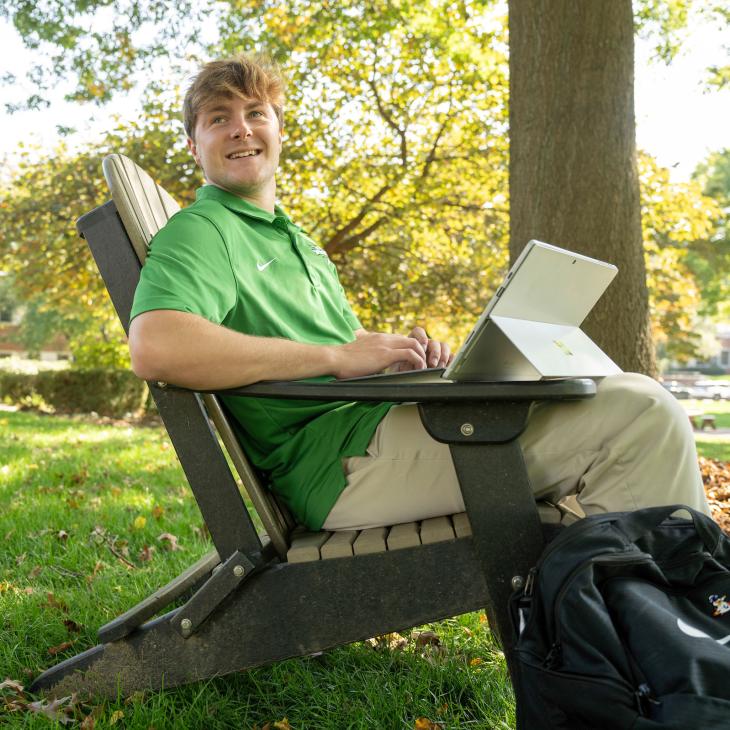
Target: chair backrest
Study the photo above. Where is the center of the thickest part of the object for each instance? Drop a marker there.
(144, 207)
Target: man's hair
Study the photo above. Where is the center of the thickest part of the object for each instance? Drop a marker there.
(252, 77)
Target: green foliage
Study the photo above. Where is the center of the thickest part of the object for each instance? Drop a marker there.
(127, 37)
(679, 223)
(713, 268)
(106, 392)
(666, 22)
(55, 274)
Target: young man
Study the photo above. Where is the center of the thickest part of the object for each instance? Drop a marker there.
(234, 292)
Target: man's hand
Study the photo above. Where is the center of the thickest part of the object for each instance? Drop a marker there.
(438, 354)
(373, 352)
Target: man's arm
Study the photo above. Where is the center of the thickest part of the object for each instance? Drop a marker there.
(188, 350)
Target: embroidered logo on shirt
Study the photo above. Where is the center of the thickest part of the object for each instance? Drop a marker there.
(261, 267)
(316, 249)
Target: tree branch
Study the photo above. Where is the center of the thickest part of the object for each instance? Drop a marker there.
(339, 240)
(389, 120)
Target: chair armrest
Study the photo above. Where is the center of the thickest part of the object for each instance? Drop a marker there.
(417, 392)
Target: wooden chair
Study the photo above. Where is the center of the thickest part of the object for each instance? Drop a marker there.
(256, 598)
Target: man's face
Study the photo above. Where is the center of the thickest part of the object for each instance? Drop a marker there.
(237, 143)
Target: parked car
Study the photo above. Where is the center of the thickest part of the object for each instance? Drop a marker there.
(716, 389)
(677, 389)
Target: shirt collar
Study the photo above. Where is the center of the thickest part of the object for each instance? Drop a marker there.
(239, 205)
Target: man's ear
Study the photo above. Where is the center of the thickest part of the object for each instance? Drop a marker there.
(193, 150)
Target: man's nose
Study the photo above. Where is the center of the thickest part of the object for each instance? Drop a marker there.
(241, 130)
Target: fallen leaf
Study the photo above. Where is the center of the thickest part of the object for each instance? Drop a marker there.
(135, 698)
(116, 491)
(390, 641)
(423, 723)
(62, 535)
(61, 647)
(117, 715)
(282, 725)
(71, 626)
(21, 558)
(97, 567)
(8, 683)
(80, 477)
(60, 710)
(426, 638)
(56, 603)
(88, 723)
(29, 591)
(476, 661)
(139, 522)
(145, 554)
(170, 540)
(202, 532)
(483, 618)
(35, 572)
(157, 512)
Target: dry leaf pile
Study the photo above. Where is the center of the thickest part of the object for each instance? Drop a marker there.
(716, 478)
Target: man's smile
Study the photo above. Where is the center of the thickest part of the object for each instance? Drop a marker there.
(243, 153)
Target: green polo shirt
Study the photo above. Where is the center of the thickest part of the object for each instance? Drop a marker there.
(246, 269)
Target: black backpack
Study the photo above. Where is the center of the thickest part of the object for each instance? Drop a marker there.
(625, 623)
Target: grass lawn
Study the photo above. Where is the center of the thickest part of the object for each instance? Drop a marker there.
(83, 509)
(710, 444)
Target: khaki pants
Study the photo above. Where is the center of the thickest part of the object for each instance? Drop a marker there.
(630, 446)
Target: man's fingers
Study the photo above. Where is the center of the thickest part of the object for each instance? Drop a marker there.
(446, 355)
(411, 343)
(409, 357)
(433, 353)
(419, 334)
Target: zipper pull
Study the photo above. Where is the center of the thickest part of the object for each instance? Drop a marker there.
(553, 656)
(644, 698)
(530, 583)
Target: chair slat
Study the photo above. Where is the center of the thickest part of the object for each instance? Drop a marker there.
(370, 541)
(405, 535)
(436, 529)
(305, 546)
(462, 528)
(339, 545)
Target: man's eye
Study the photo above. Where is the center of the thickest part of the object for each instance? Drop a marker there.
(218, 120)
(256, 113)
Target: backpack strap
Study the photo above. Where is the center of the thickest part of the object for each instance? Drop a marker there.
(635, 524)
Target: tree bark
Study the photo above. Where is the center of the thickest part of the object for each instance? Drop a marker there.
(573, 177)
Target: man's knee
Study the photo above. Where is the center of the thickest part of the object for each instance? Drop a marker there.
(643, 397)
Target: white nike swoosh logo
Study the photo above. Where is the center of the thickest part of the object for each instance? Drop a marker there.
(261, 267)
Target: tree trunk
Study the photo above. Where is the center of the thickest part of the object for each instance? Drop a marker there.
(573, 177)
